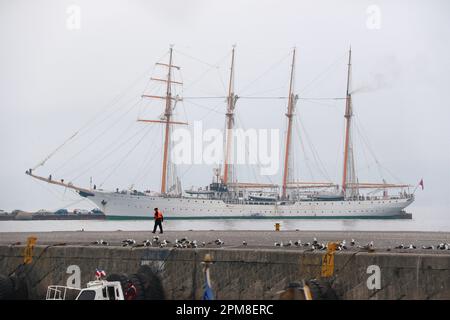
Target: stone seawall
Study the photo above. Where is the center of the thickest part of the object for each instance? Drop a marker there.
(239, 273)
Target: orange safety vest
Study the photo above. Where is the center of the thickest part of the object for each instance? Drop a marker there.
(158, 215)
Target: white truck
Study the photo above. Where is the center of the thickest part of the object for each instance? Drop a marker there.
(95, 290)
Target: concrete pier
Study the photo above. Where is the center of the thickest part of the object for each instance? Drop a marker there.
(256, 271)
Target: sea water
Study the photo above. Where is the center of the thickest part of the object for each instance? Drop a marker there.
(423, 219)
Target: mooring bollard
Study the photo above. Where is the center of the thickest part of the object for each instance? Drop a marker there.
(28, 252)
(277, 226)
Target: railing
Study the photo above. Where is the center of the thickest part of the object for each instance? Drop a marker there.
(58, 292)
(356, 198)
(363, 197)
(232, 201)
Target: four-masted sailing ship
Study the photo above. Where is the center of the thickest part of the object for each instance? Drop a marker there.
(225, 197)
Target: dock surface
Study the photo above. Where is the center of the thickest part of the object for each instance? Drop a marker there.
(383, 241)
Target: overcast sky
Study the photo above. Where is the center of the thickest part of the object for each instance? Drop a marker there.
(56, 75)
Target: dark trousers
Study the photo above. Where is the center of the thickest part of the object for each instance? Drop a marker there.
(158, 222)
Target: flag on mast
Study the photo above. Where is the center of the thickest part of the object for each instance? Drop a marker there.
(421, 183)
(100, 273)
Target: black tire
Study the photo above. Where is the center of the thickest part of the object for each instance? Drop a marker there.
(140, 292)
(20, 288)
(321, 290)
(151, 283)
(6, 288)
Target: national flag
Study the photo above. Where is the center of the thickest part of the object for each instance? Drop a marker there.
(100, 273)
(421, 183)
(208, 293)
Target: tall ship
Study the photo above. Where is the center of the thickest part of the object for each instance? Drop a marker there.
(227, 197)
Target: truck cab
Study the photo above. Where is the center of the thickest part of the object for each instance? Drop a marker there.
(95, 290)
(101, 290)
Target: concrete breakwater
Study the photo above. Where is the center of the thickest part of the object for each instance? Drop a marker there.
(19, 215)
(238, 273)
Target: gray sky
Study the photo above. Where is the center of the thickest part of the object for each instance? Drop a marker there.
(54, 79)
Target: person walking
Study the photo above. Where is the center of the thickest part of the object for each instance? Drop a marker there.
(158, 220)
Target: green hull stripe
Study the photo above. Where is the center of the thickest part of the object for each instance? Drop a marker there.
(402, 216)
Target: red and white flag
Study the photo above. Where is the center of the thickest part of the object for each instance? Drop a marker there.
(421, 183)
(100, 273)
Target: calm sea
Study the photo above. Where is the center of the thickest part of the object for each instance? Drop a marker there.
(437, 219)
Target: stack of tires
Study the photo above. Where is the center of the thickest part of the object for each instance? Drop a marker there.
(13, 288)
(321, 290)
(147, 283)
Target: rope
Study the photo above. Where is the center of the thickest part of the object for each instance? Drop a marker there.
(114, 101)
(315, 154)
(199, 60)
(267, 90)
(98, 137)
(104, 157)
(207, 108)
(126, 155)
(182, 103)
(304, 151)
(224, 86)
(147, 164)
(59, 195)
(276, 64)
(320, 75)
(364, 152)
(45, 187)
(262, 97)
(365, 140)
(106, 170)
(21, 267)
(149, 156)
(40, 164)
(207, 114)
(211, 66)
(205, 97)
(101, 153)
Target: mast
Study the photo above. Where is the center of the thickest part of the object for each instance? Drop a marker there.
(292, 99)
(231, 103)
(349, 176)
(167, 115)
(170, 104)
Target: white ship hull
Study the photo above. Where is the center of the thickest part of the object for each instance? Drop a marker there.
(128, 206)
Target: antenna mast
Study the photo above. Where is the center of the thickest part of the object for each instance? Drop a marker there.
(292, 99)
(231, 103)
